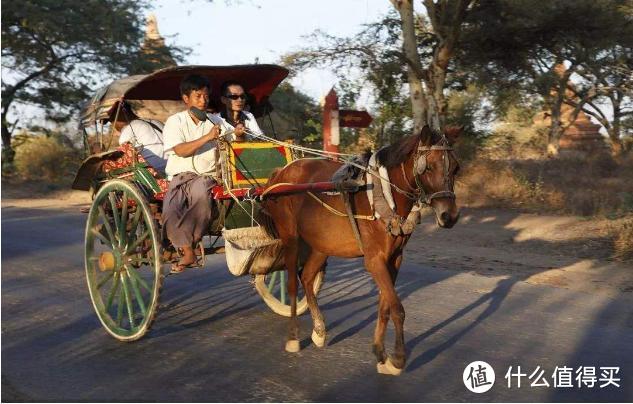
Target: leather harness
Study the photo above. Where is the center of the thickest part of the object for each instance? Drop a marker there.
(395, 224)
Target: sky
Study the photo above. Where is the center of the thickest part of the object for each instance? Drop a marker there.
(239, 31)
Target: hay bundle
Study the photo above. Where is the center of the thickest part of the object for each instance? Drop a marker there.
(251, 250)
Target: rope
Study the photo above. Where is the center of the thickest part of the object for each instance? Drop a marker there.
(232, 195)
(321, 153)
(337, 212)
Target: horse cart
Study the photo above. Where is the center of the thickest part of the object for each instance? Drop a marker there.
(126, 256)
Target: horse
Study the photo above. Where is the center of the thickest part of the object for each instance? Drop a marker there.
(421, 168)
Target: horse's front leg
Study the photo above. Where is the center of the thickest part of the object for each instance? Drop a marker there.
(291, 256)
(383, 314)
(389, 302)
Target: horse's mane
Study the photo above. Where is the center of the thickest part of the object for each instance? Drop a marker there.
(398, 152)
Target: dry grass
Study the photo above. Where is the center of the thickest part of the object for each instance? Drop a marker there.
(591, 187)
(623, 243)
(597, 186)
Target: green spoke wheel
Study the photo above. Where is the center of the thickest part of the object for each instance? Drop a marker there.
(273, 288)
(123, 260)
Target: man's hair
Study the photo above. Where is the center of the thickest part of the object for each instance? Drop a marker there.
(225, 86)
(193, 82)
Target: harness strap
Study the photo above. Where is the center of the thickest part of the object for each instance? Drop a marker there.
(347, 198)
(337, 212)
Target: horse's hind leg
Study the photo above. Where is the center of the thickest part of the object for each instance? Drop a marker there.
(291, 256)
(314, 264)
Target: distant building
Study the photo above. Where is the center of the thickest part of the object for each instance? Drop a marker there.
(581, 136)
(155, 54)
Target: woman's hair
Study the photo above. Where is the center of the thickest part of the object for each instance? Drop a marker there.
(227, 84)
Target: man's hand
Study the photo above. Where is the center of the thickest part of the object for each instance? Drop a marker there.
(214, 133)
(187, 149)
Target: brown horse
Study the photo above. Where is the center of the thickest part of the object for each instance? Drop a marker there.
(420, 167)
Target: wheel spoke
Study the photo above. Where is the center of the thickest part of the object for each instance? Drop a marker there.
(138, 278)
(119, 311)
(105, 279)
(115, 212)
(282, 286)
(128, 301)
(137, 293)
(123, 221)
(106, 224)
(135, 220)
(113, 291)
(101, 237)
(271, 283)
(137, 241)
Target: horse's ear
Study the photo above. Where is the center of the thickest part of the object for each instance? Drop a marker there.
(453, 132)
(426, 135)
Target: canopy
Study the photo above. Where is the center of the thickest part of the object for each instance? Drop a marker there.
(161, 90)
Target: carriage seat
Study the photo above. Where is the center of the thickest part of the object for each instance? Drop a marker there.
(126, 160)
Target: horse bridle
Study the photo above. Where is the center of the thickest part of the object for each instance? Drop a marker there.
(420, 167)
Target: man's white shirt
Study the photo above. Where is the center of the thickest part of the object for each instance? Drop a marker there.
(180, 128)
(142, 134)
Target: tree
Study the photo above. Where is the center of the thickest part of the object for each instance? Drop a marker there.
(376, 54)
(605, 90)
(511, 46)
(294, 115)
(406, 48)
(426, 86)
(55, 53)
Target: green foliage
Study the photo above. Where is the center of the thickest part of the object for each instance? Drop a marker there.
(56, 53)
(295, 116)
(370, 61)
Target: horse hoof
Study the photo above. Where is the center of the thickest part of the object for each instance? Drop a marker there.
(387, 368)
(292, 345)
(318, 341)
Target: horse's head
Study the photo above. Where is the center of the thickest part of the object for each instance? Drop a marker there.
(434, 168)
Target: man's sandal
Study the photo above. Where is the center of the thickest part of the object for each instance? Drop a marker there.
(178, 268)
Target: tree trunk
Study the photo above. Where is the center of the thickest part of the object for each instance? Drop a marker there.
(414, 66)
(558, 97)
(556, 129)
(435, 82)
(617, 146)
(7, 151)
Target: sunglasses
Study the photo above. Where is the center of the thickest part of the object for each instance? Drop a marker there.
(236, 96)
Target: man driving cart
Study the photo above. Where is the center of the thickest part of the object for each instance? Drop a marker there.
(191, 143)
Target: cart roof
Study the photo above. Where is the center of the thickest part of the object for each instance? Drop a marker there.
(162, 88)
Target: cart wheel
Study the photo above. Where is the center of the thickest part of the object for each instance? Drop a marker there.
(272, 288)
(122, 258)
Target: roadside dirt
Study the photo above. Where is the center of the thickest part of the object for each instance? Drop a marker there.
(562, 251)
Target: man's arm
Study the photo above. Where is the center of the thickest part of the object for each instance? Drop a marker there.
(187, 149)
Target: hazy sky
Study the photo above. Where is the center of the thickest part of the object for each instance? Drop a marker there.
(236, 32)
